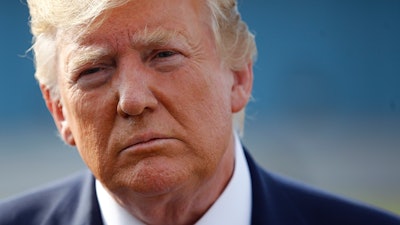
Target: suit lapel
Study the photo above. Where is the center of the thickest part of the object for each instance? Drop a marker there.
(259, 194)
(88, 210)
(270, 205)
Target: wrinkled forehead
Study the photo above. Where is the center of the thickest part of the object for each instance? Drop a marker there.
(91, 17)
(86, 18)
(81, 53)
(140, 26)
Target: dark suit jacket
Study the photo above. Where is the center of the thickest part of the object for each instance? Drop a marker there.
(275, 201)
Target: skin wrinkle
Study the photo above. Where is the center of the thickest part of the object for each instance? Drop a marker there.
(171, 203)
(48, 22)
(82, 55)
(188, 98)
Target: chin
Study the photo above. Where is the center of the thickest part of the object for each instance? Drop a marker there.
(152, 176)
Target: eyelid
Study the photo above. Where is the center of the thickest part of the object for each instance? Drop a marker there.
(169, 52)
(86, 80)
(92, 65)
(83, 57)
(166, 64)
(92, 70)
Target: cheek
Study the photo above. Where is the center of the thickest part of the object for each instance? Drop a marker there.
(212, 90)
(212, 97)
(202, 104)
(91, 119)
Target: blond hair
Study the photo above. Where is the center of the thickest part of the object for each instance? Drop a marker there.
(51, 18)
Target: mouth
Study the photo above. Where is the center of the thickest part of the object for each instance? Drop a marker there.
(146, 142)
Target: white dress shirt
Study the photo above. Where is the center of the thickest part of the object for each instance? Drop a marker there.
(233, 206)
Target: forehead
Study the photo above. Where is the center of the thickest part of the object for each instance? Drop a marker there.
(80, 54)
(139, 23)
(134, 16)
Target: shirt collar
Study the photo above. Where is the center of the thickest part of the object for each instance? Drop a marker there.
(232, 207)
(234, 204)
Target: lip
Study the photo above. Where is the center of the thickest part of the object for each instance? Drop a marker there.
(145, 141)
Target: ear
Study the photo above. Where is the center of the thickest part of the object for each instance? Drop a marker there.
(56, 110)
(242, 87)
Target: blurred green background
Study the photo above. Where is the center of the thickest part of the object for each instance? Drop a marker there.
(325, 109)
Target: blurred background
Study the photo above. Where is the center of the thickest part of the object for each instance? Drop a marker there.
(325, 109)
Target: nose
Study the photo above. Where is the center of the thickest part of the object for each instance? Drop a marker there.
(135, 94)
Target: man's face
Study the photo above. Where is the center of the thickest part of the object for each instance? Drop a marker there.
(146, 99)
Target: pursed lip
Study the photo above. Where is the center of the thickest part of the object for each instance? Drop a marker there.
(145, 139)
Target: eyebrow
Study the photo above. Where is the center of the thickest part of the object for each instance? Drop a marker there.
(84, 55)
(158, 37)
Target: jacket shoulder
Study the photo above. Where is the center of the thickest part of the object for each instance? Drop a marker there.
(286, 201)
(48, 204)
(319, 207)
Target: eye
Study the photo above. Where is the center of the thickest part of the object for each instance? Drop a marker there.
(93, 77)
(92, 71)
(165, 54)
(166, 60)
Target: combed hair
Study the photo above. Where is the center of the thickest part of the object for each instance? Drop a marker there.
(52, 18)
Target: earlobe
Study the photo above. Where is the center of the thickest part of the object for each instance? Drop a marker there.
(66, 133)
(242, 87)
(56, 110)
